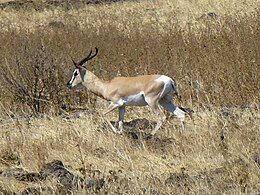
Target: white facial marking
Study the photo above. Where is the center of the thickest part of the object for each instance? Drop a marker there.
(75, 79)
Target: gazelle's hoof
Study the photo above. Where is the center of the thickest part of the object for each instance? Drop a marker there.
(120, 132)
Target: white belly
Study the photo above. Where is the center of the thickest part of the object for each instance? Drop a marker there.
(134, 100)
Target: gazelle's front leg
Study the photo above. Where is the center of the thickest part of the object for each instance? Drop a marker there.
(121, 118)
(110, 108)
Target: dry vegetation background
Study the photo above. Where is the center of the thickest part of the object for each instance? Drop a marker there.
(211, 48)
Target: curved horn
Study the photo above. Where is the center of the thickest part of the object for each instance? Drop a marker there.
(89, 57)
(93, 55)
(85, 59)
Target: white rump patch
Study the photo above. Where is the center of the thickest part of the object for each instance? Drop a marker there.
(168, 88)
(164, 79)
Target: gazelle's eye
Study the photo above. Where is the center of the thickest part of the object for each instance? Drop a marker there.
(75, 74)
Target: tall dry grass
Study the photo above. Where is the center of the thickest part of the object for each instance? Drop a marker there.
(210, 48)
(214, 58)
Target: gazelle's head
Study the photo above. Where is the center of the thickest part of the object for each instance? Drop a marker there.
(80, 71)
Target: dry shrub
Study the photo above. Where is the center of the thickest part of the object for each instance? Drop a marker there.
(33, 72)
(31, 76)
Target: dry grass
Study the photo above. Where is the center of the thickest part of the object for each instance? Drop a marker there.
(197, 160)
(210, 48)
(154, 16)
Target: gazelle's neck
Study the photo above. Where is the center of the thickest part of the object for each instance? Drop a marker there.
(94, 84)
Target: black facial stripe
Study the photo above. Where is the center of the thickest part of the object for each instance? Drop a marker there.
(73, 77)
(71, 80)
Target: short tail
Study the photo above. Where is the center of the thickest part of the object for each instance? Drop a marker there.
(176, 93)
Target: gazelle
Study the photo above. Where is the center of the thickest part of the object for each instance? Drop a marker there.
(152, 90)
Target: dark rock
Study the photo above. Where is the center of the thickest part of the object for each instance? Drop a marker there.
(208, 16)
(6, 192)
(67, 180)
(14, 172)
(95, 184)
(30, 177)
(51, 168)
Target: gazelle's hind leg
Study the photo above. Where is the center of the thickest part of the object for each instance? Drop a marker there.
(154, 104)
(161, 118)
(168, 105)
(179, 113)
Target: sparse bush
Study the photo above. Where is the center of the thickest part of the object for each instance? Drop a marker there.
(32, 76)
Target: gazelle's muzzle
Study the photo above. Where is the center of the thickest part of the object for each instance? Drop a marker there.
(69, 85)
